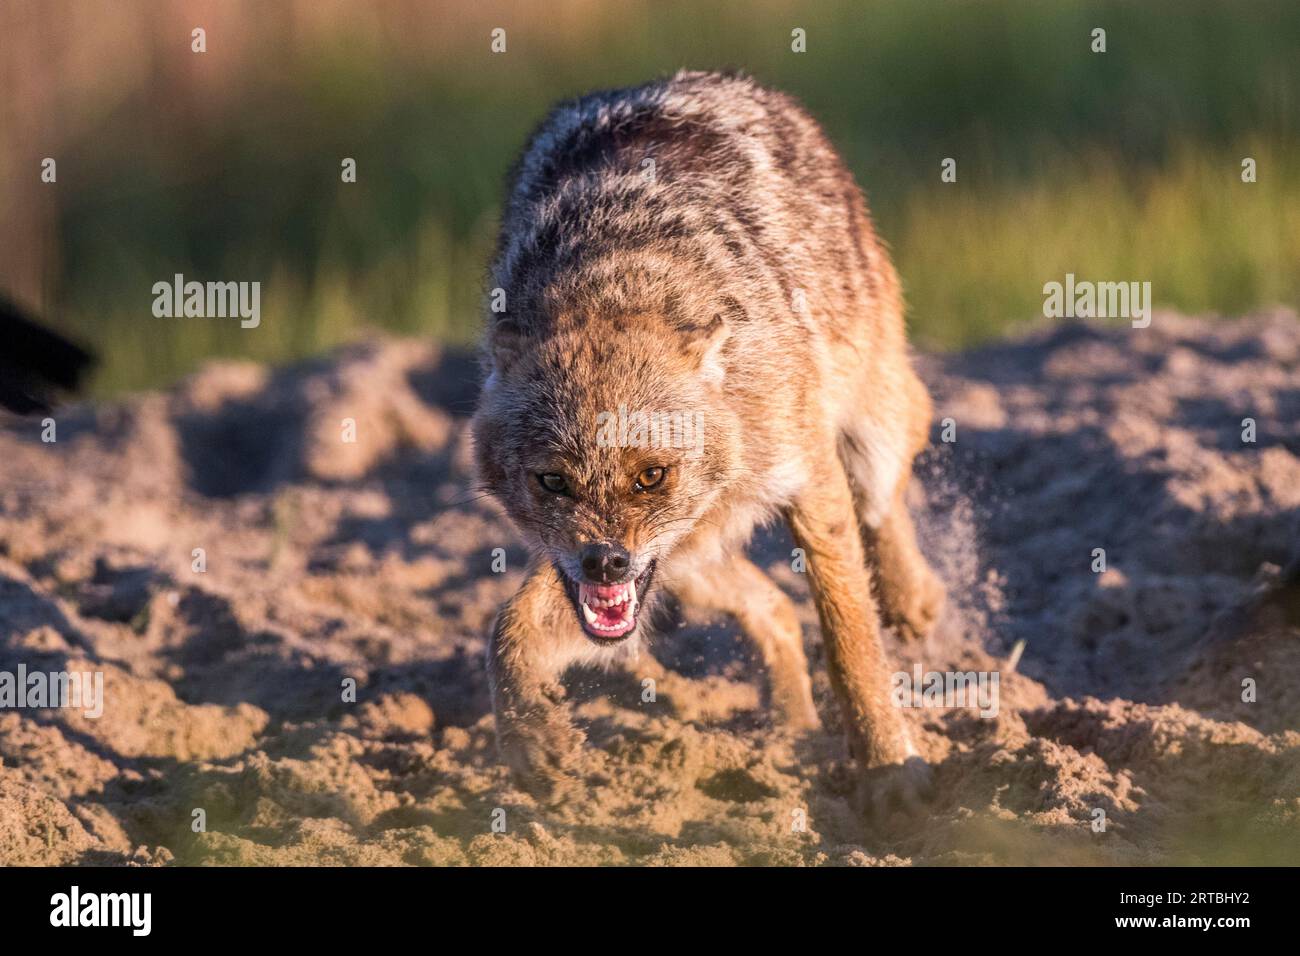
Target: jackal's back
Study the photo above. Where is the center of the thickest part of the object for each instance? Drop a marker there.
(703, 194)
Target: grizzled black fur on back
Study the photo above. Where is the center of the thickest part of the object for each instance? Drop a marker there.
(688, 197)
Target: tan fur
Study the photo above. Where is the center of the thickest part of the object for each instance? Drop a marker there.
(743, 284)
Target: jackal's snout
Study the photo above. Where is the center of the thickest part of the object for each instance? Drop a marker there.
(609, 590)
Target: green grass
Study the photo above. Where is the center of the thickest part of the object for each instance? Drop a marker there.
(974, 260)
(1123, 165)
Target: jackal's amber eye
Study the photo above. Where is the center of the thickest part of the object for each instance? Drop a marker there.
(650, 478)
(556, 484)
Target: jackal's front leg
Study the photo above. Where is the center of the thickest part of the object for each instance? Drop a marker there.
(531, 639)
(824, 524)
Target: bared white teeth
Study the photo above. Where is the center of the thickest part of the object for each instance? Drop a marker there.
(620, 596)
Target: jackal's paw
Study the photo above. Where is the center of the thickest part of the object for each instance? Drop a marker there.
(797, 714)
(544, 758)
(792, 700)
(913, 611)
(904, 787)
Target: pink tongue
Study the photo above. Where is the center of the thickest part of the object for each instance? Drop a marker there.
(609, 616)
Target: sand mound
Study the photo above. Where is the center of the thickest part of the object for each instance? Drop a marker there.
(232, 564)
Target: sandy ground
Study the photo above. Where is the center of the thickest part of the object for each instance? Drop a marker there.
(372, 561)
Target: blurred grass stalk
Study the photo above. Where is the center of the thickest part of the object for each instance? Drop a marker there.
(225, 165)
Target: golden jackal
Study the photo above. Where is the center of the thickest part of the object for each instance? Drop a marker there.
(700, 331)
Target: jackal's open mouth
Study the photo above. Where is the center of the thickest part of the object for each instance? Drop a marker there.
(608, 612)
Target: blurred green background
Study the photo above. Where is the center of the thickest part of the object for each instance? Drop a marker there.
(225, 165)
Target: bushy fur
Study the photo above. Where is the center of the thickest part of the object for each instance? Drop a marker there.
(697, 245)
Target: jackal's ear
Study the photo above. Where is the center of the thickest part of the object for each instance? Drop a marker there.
(704, 343)
(505, 342)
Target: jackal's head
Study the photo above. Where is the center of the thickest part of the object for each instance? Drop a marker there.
(607, 442)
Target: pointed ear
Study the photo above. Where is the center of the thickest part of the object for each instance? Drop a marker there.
(704, 344)
(505, 341)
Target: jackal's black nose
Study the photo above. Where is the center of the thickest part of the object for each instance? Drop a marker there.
(605, 563)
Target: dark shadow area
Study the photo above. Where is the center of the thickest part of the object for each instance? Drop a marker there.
(452, 384)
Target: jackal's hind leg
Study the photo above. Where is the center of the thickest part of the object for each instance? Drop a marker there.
(765, 614)
(878, 457)
(911, 594)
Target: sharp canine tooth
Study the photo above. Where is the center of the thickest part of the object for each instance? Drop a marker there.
(588, 613)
